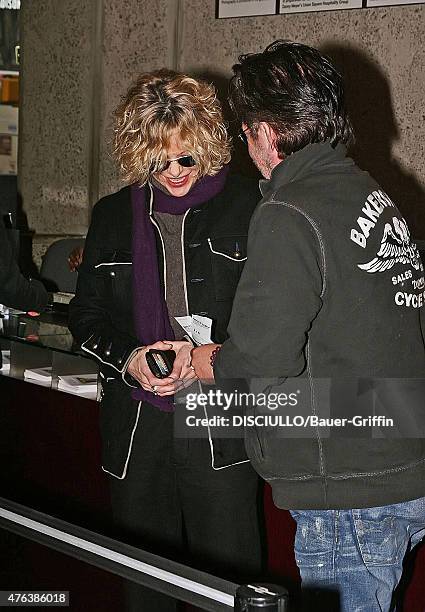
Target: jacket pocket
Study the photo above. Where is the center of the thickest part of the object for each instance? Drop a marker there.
(254, 443)
(228, 255)
(380, 536)
(115, 271)
(314, 540)
(118, 419)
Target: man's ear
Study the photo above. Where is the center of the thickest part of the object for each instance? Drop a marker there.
(269, 133)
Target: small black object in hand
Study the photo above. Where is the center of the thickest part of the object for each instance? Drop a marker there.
(160, 362)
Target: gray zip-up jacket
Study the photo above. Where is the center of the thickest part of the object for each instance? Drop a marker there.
(329, 309)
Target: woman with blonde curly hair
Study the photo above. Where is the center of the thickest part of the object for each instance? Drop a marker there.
(171, 243)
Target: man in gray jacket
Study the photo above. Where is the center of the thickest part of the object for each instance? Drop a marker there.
(330, 310)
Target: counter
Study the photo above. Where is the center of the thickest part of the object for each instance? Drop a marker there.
(34, 343)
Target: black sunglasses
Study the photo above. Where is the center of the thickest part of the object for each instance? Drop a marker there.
(242, 136)
(186, 161)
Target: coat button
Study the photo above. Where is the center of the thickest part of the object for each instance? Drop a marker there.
(237, 252)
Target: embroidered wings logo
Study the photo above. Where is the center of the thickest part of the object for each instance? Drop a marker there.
(396, 247)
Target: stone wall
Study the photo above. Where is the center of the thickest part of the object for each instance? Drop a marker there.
(79, 57)
(381, 53)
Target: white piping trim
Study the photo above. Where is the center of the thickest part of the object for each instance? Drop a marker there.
(127, 363)
(106, 378)
(114, 263)
(99, 358)
(224, 467)
(152, 219)
(130, 448)
(211, 443)
(184, 264)
(223, 254)
(107, 553)
(150, 199)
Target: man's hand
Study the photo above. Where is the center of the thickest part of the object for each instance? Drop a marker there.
(139, 369)
(201, 362)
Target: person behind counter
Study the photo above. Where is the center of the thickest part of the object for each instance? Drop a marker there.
(75, 258)
(172, 243)
(15, 290)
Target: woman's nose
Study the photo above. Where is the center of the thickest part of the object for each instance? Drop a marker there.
(175, 169)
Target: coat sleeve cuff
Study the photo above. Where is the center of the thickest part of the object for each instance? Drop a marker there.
(128, 378)
(113, 352)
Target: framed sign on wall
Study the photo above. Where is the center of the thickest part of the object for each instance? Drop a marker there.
(245, 8)
(372, 3)
(308, 6)
(253, 8)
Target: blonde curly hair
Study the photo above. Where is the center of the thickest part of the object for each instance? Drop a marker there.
(156, 105)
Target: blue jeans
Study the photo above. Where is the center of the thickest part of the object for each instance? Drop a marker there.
(358, 553)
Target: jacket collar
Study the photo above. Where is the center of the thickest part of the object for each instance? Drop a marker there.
(311, 159)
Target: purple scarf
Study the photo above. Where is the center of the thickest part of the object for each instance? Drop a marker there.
(151, 318)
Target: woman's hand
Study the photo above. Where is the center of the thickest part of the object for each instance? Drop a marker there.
(183, 374)
(139, 370)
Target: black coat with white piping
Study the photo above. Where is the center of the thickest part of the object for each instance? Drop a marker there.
(214, 236)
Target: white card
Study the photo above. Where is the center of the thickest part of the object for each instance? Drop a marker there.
(186, 323)
(201, 329)
(197, 327)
